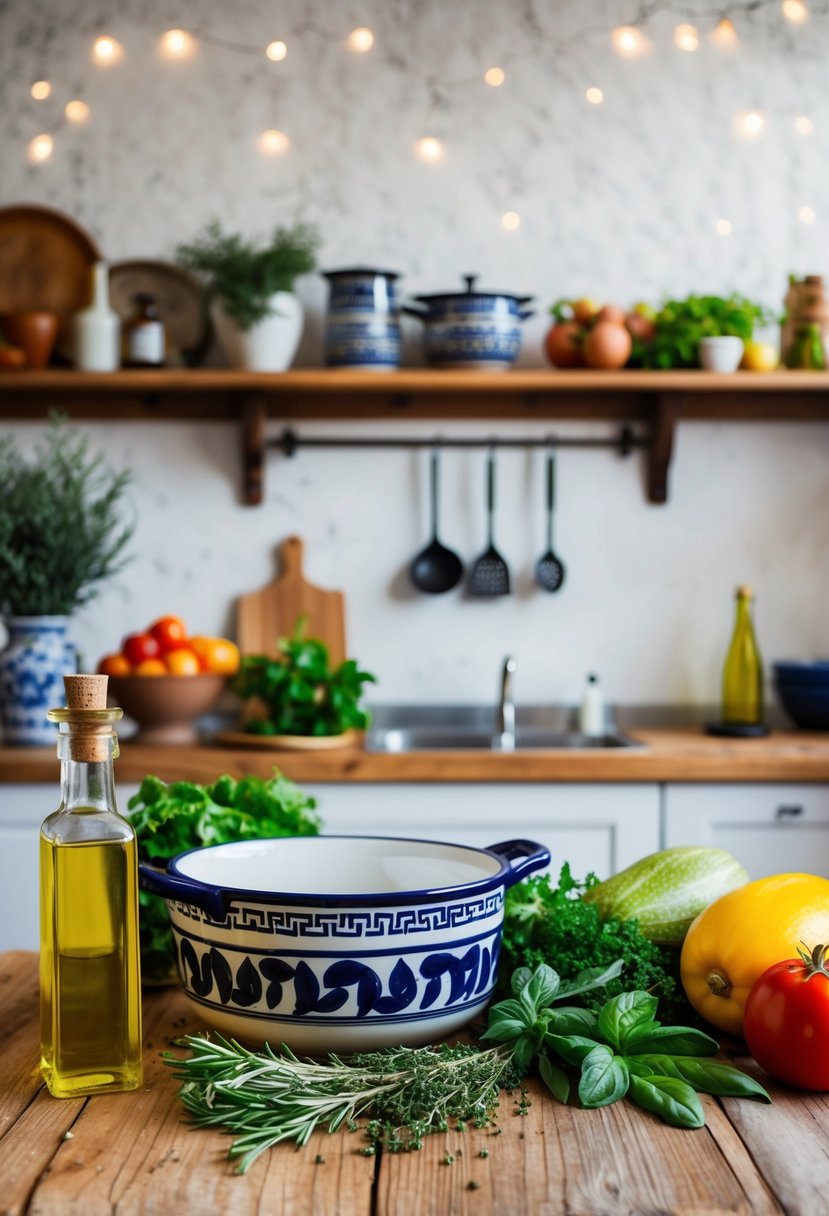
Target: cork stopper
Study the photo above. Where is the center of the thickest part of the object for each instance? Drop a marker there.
(744, 592)
(86, 724)
(86, 692)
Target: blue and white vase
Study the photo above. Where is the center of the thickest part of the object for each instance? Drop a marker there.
(362, 330)
(478, 330)
(37, 657)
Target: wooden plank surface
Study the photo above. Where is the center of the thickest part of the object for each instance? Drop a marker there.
(668, 755)
(131, 1153)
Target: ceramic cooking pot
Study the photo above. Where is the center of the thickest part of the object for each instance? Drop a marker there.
(340, 943)
(471, 329)
(362, 330)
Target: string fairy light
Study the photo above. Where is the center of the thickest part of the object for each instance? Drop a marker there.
(40, 90)
(594, 95)
(177, 44)
(751, 124)
(806, 214)
(276, 50)
(495, 77)
(724, 34)
(803, 125)
(360, 40)
(273, 142)
(627, 41)
(686, 38)
(796, 11)
(723, 227)
(430, 149)
(511, 220)
(77, 111)
(106, 50)
(40, 149)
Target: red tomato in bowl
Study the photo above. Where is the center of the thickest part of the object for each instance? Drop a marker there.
(786, 1021)
(140, 646)
(170, 632)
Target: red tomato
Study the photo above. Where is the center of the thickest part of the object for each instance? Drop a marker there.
(170, 632)
(786, 1021)
(140, 646)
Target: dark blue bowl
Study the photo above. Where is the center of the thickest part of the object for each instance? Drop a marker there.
(807, 707)
(792, 671)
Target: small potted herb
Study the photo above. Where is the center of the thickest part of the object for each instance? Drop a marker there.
(62, 533)
(702, 330)
(252, 303)
(301, 695)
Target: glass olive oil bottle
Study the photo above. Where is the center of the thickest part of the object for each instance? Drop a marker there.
(742, 684)
(90, 986)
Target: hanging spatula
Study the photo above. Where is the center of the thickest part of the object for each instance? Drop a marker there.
(490, 574)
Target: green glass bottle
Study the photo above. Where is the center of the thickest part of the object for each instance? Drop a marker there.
(742, 682)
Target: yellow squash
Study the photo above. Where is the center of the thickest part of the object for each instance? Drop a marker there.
(738, 936)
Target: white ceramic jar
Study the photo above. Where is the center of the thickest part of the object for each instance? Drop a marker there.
(721, 354)
(97, 330)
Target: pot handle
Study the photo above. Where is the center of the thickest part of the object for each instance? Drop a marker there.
(172, 886)
(411, 311)
(524, 856)
(524, 313)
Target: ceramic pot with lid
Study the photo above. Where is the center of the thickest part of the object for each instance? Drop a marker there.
(362, 330)
(471, 329)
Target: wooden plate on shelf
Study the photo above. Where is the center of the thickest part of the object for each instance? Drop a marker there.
(288, 743)
(181, 301)
(45, 262)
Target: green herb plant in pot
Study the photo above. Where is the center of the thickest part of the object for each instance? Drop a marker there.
(62, 533)
(302, 700)
(256, 314)
(702, 330)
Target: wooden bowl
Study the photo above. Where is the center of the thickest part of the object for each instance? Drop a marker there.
(166, 708)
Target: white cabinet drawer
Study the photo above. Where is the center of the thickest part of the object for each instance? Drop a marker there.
(771, 829)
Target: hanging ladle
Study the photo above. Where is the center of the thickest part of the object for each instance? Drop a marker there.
(549, 569)
(435, 569)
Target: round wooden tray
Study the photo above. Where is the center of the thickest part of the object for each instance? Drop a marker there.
(288, 743)
(45, 262)
(180, 298)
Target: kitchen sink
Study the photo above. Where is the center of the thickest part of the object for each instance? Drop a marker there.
(474, 727)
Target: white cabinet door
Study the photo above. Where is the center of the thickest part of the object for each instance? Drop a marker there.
(771, 829)
(602, 828)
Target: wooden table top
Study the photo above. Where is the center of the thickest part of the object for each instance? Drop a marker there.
(666, 756)
(131, 1153)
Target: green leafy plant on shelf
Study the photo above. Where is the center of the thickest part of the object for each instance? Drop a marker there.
(300, 691)
(682, 324)
(61, 526)
(246, 273)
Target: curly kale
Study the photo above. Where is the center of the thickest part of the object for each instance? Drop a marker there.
(551, 924)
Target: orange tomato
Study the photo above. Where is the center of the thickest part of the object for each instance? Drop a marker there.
(182, 662)
(170, 632)
(114, 665)
(217, 655)
(150, 667)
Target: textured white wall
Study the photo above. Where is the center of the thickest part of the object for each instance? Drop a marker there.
(617, 201)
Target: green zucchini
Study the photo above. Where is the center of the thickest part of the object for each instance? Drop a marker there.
(666, 890)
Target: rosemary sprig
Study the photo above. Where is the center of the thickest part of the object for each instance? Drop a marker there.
(405, 1093)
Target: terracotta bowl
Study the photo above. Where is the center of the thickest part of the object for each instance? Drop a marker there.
(166, 708)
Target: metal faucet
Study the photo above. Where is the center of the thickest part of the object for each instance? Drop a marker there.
(505, 738)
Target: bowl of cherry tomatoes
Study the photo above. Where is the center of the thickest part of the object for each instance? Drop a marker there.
(166, 680)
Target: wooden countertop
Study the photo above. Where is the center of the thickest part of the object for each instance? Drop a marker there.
(667, 756)
(132, 1153)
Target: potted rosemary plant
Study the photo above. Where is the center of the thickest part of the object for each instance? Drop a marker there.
(61, 535)
(252, 303)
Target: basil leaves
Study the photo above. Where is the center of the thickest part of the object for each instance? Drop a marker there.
(623, 1051)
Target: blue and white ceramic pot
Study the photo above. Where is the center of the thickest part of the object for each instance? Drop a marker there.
(32, 666)
(340, 943)
(362, 330)
(472, 329)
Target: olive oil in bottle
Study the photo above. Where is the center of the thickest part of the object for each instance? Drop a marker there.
(742, 684)
(90, 987)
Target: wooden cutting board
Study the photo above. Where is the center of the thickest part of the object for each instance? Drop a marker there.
(266, 615)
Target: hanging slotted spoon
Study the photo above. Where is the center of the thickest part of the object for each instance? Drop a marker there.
(490, 575)
(549, 569)
(435, 569)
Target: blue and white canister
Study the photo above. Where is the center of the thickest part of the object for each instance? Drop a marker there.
(32, 667)
(362, 330)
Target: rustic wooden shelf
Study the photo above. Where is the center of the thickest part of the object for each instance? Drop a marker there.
(659, 400)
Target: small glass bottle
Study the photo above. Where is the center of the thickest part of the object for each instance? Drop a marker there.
(742, 682)
(144, 336)
(90, 983)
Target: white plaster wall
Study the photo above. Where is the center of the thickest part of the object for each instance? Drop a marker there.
(617, 201)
